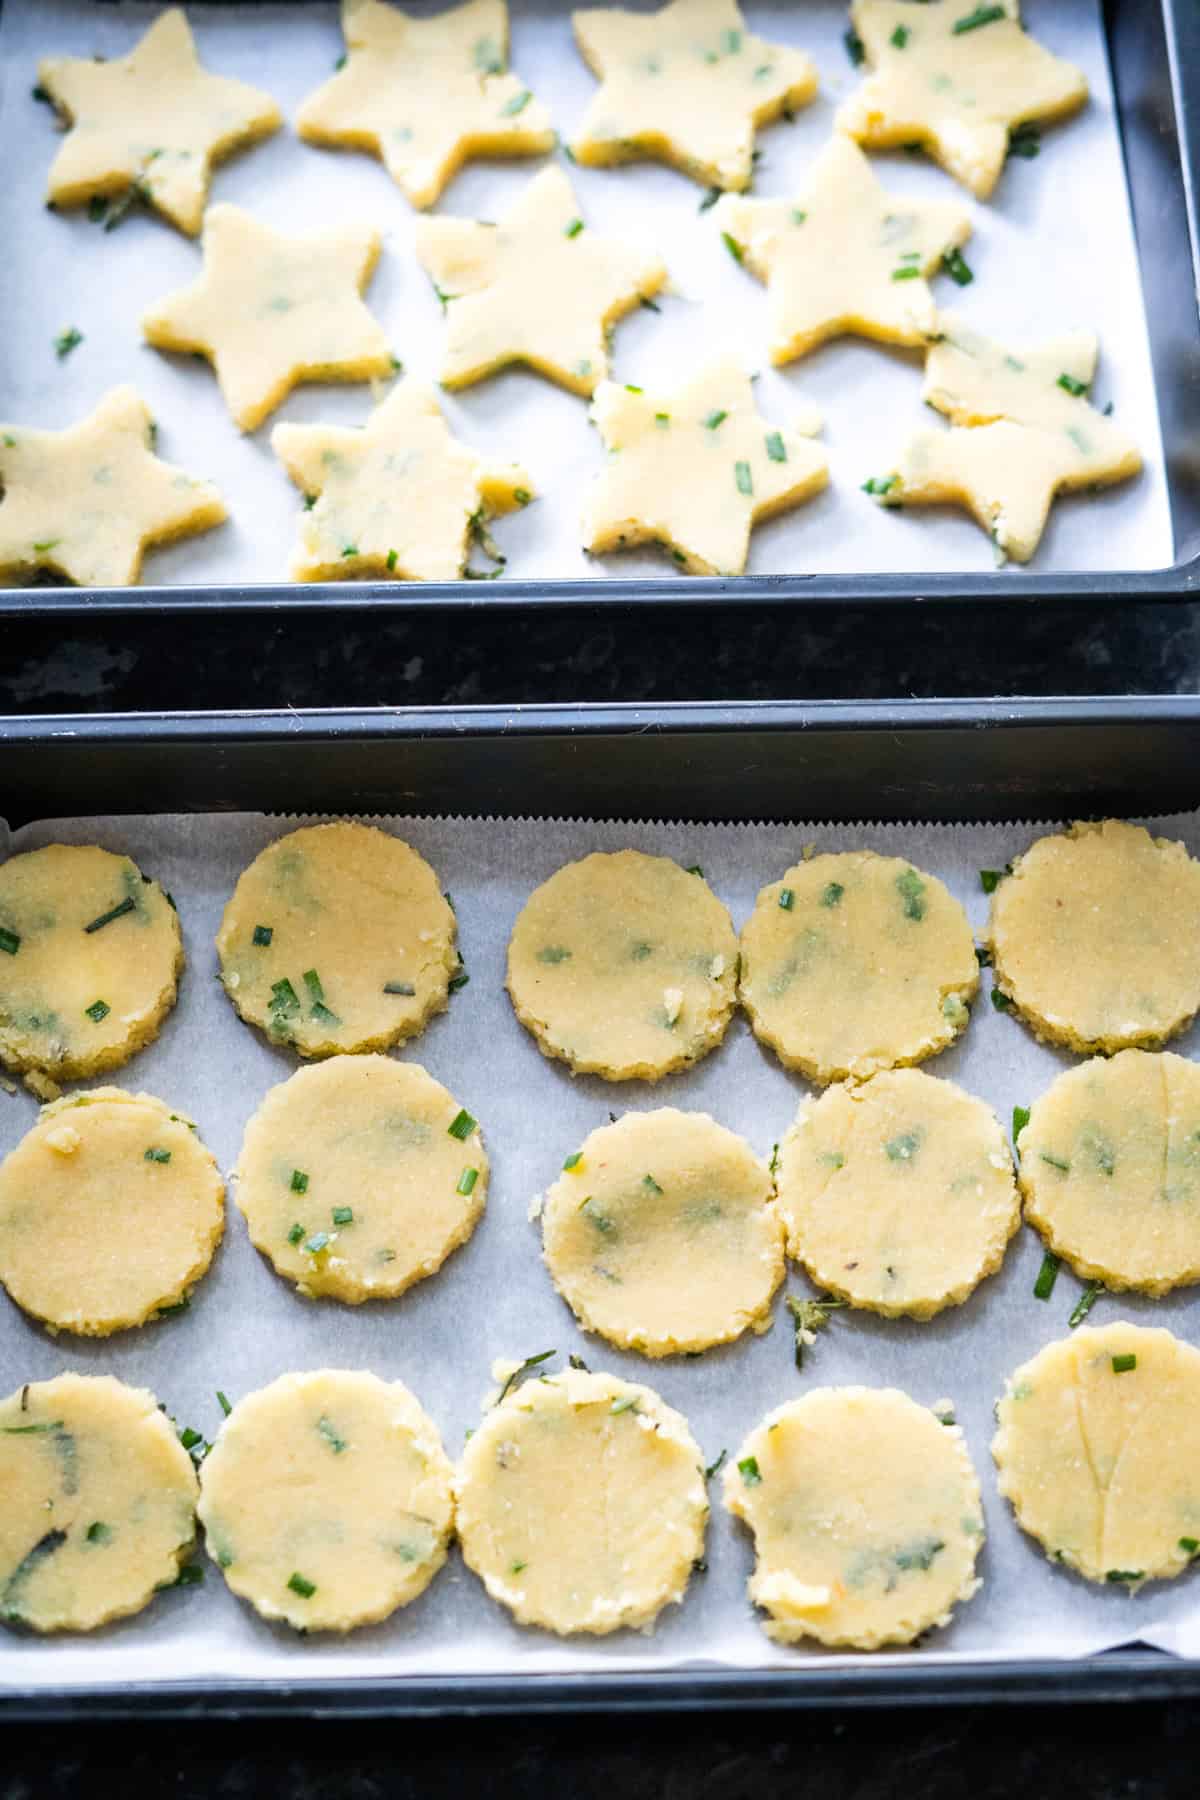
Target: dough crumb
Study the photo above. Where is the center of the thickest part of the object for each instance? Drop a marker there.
(65, 1140)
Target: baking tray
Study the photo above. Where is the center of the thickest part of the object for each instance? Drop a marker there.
(1095, 232)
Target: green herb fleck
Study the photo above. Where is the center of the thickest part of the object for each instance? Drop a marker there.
(1085, 1303)
(734, 248)
(517, 104)
(1190, 1544)
(809, 1317)
(404, 988)
(155, 1155)
(98, 1532)
(856, 50)
(880, 484)
(299, 1182)
(918, 1555)
(296, 1234)
(462, 1125)
(283, 998)
(694, 869)
(99, 1009)
(775, 447)
(905, 1146)
(1025, 140)
(741, 475)
(625, 1403)
(1122, 1365)
(1020, 1119)
(983, 15)
(522, 1370)
(749, 1471)
(31, 1430)
(488, 59)
(957, 267)
(1043, 1287)
(1070, 385)
(714, 419)
(714, 1468)
(710, 199)
(573, 1161)
(1001, 1001)
(1055, 1162)
(332, 1436)
(911, 888)
(573, 229)
(223, 1403)
(116, 912)
(467, 1180)
(317, 1242)
(298, 1585)
(1126, 1577)
(66, 341)
(832, 894)
(899, 37)
(262, 935)
(649, 1183)
(343, 1215)
(786, 899)
(553, 953)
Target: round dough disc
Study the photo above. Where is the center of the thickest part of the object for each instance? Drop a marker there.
(1096, 937)
(352, 1181)
(582, 1503)
(110, 1211)
(97, 1502)
(338, 938)
(857, 962)
(90, 958)
(1100, 1454)
(327, 1499)
(624, 965)
(898, 1194)
(866, 1514)
(661, 1234)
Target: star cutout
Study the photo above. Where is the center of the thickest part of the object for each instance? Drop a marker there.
(400, 498)
(956, 77)
(538, 288)
(688, 85)
(845, 255)
(271, 310)
(694, 471)
(153, 121)
(426, 95)
(87, 502)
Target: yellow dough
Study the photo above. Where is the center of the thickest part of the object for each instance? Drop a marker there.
(327, 1500)
(426, 95)
(539, 288)
(845, 255)
(866, 1514)
(958, 78)
(688, 84)
(338, 938)
(1099, 1452)
(399, 499)
(694, 471)
(272, 310)
(898, 1195)
(97, 1503)
(582, 1503)
(87, 502)
(90, 958)
(857, 962)
(624, 965)
(661, 1235)
(1096, 937)
(154, 121)
(358, 1177)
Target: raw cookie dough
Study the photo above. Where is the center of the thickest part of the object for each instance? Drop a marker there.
(582, 1503)
(1099, 1452)
(87, 502)
(338, 938)
(399, 499)
(661, 1235)
(857, 962)
(358, 1177)
(688, 85)
(327, 1499)
(154, 121)
(694, 471)
(539, 288)
(1095, 937)
(97, 1503)
(866, 1514)
(272, 310)
(624, 965)
(426, 95)
(845, 255)
(958, 78)
(898, 1194)
(90, 958)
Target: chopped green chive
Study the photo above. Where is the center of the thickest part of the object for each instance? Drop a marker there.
(116, 912)
(155, 1155)
(626, 1403)
(957, 267)
(99, 1009)
(632, 388)
(332, 1436)
(650, 1184)
(10, 941)
(775, 447)
(903, 1147)
(1055, 1162)
(1020, 1121)
(855, 48)
(662, 419)
(31, 1430)
(296, 1234)
(573, 229)
(786, 899)
(741, 475)
(341, 61)
(798, 215)
(404, 988)
(880, 484)
(907, 272)
(731, 42)
(749, 1471)
(467, 1180)
(832, 894)
(1001, 1001)
(1190, 1544)
(98, 1532)
(392, 559)
(321, 1011)
(649, 304)
(734, 248)
(299, 1182)
(983, 15)
(1121, 1365)
(1085, 1303)
(519, 1373)
(710, 199)
(517, 104)
(66, 341)
(899, 37)
(310, 500)
(911, 889)
(1070, 385)
(715, 418)
(458, 980)
(47, 544)
(298, 1585)
(714, 1468)
(1126, 1577)
(189, 1438)
(573, 1161)
(461, 1125)
(312, 982)
(694, 869)
(39, 93)
(487, 57)
(317, 1242)
(262, 935)
(177, 1306)
(343, 1215)
(522, 496)
(1025, 141)
(223, 1403)
(516, 1568)
(990, 879)
(1043, 1287)
(283, 997)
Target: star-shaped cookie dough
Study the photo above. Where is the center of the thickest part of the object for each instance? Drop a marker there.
(153, 120)
(688, 85)
(694, 471)
(958, 78)
(845, 255)
(87, 502)
(539, 288)
(426, 95)
(270, 311)
(1023, 431)
(401, 498)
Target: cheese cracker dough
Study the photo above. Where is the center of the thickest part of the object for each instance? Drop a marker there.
(866, 1514)
(327, 1499)
(97, 1503)
(582, 1503)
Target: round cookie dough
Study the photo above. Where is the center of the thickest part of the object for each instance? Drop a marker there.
(661, 1234)
(97, 1503)
(866, 1514)
(337, 939)
(110, 1211)
(582, 1503)
(857, 962)
(898, 1193)
(624, 965)
(358, 1177)
(1095, 937)
(327, 1499)
(90, 958)
(1099, 1452)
